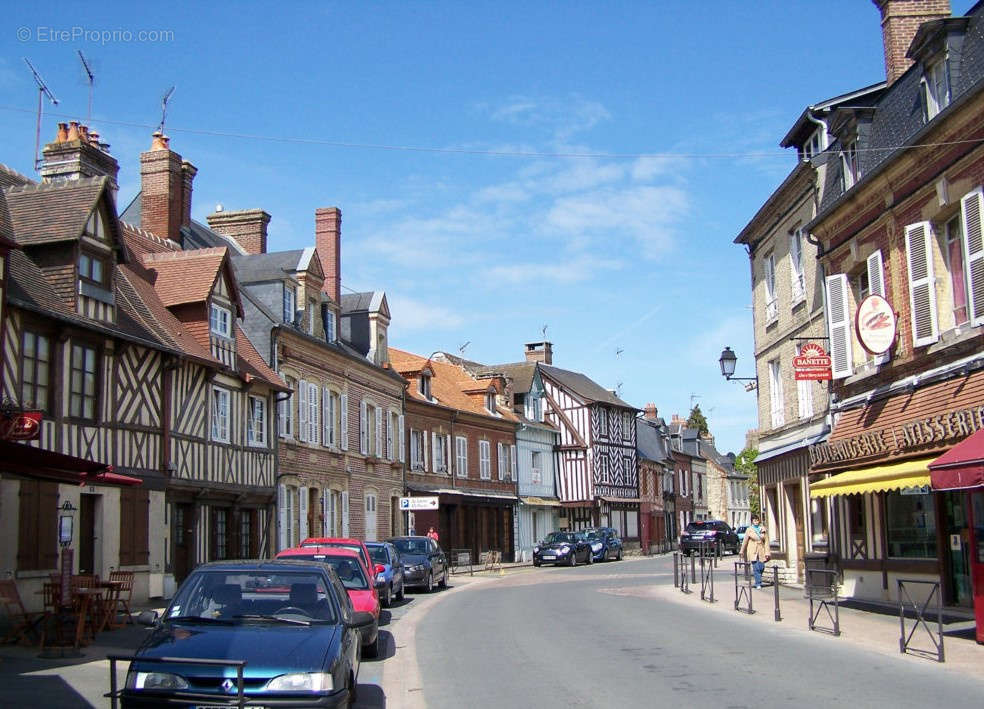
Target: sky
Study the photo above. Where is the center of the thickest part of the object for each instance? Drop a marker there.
(501, 168)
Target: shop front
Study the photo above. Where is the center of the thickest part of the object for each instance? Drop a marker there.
(477, 521)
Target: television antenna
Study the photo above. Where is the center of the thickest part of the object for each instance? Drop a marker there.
(543, 331)
(92, 80)
(43, 92)
(619, 351)
(461, 350)
(164, 100)
(692, 397)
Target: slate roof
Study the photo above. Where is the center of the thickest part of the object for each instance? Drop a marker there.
(583, 386)
(650, 443)
(251, 268)
(50, 212)
(354, 302)
(521, 374)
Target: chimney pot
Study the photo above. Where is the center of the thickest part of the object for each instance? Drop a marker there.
(159, 141)
(62, 134)
(73, 130)
(73, 158)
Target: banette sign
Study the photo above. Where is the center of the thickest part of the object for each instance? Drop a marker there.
(812, 363)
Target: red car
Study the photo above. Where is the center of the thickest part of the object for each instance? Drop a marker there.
(355, 545)
(357, 581)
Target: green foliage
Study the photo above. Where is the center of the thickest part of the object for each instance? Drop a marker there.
(745, 464)
(697, 420)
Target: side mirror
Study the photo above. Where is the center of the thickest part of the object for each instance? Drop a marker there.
(148, 618)
(380, 568)
(361, 619)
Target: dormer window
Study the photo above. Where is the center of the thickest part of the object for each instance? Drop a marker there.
(490, 403)
(424, 386)
(814, 145)
(96, 226)
(329, 325)
(290, 303)
(220, 321)
(534, 408)
(936, 87)
(93, 269)
(850, 165)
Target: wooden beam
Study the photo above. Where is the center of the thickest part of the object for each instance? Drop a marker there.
(565, 419)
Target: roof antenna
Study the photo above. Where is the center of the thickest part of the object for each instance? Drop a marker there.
(619, 351)
(164, 100)
(692, 397)
(544, 331)
(461, 350)
(43, 92)
(92, 79)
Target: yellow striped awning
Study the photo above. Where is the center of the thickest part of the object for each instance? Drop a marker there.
(896, 476)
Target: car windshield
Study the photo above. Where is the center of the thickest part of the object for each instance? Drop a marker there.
(592, 535)
(240, 595)
(357, 548)
(742, 528)
(379, 555)
(698, 526)
(411, 546)
(558, 538)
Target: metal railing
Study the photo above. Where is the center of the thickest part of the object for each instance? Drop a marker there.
(681, 576)
(461, 557)
(708, 561)
(743, 588)
(905, 639)
(194, 697)
(823, 591)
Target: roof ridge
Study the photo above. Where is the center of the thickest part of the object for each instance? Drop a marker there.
(140, 231)
(212, 251)
(53, 185)
(11, 171)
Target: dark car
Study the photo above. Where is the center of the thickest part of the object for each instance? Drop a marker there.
(605, 543)
(389, 581)
(713, 531)
(563, 548)
(424, 564)
(290, 622)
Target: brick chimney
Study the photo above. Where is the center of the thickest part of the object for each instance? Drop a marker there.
(539, 352)
(328, 242)
(900, 19)
(247, 226)
(165, 189)
(650, 412)
(77, 153)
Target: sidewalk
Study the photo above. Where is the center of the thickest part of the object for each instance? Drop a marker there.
(873, 626)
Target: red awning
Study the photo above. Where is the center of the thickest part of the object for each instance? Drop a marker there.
(960, 467)
(29, 462)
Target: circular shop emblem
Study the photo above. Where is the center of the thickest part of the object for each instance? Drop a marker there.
(875, 324)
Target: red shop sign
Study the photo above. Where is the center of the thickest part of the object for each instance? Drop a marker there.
(21, 427)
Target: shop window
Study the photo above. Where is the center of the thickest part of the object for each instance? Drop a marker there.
(772, 515)
(911, 523)
(818, 522)
(857, 527)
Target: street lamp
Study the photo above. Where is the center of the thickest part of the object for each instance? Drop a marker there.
(727, 361)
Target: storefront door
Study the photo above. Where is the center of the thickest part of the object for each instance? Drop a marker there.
(956, 538)
(977, 557)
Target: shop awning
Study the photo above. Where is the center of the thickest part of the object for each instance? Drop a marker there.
(540, 501)
(27, 461)
(879, 478)
(960, 467)
(629, 500)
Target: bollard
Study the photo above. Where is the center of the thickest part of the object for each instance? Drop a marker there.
(693, 569)
(676, 570)
(775, 586)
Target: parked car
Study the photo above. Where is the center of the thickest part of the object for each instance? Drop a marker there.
(357, 582)
(291, 622)
(711, 530)
(389, 581)
(563, 548)
(605, 543)
(356, 545)
(740, 531)
(424, 564)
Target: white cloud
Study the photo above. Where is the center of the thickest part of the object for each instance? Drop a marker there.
(413, 314)
(571, 271)
(563, 117)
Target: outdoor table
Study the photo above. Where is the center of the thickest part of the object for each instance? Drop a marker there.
(90, 603)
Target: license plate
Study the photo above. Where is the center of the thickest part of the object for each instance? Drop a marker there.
(549, 556)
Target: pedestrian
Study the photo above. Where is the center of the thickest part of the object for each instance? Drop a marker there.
(432, 533)
(755, 548)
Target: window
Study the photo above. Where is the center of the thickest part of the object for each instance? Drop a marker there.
(627, 426)
(92, 269)
(220, 533)
(461, 456)
(220, 415)
(440, 453)
(534, 407)
(329, 325)
(502, 460)
(485, 460)
(536, 467)
(35, 371)
(850, 165)
(911, 523)
(220, 321)
(332, 418)
(256, 423)
(290, 303)
(286, 410)
(818, 521)
(246, 550)
(797, 277)
(804, 393)
(936, 88)
(95, 226)
(771, 302)
(424, 385)
(416, 450)
(82, 392)
(490, 403)
(775, 394)
(953, 253)
(370, 429)
(603, 422)
(814, 145)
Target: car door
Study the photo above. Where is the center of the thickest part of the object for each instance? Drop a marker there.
(396, 563)
(351, 639)
(438, 562)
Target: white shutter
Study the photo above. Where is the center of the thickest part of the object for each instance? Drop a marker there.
(313, 423)
(363, 428)
(972, 207)
(379, 432)
(282, 510)
(345, 434)
(389, 435)
(302, 411)
(345, 513)
(326, 420)
(501, 460)
(403, 442)
(922, 284)
(282, 417)
(423, 446)
(876, 277)
(839, 325)
(303, 512)
(448, 452)
(512, 461)
(326, 512)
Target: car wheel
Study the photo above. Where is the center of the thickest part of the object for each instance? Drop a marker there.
(618, 557)
(430, 582)
(372, 650)
(443, 583)
(388, 598)
(536, 563)
(403, 592)
(572, 559)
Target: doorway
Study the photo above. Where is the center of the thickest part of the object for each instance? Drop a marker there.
(87, 534)
(956, 541)
(183, 533)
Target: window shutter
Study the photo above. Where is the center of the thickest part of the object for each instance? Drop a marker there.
(282, 510)
(27, 525)
(973, 237)
(423, 438)
(314, 424)
(363, 428)
(379, 432)
(302, 411)
(345, 513)
(325, 512)
(345, 436)
(500, 461)
(512, 462)
(436, 452)
(839, 325)
(389, 434)
(922, 284)
(303, 512)
(448, 452)
(46, 534)
(403, 442)
(326, 419)
(876, 277)
(282, 417)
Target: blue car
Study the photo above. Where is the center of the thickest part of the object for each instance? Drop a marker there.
(290, 622)
(605, 543)
(389, 581)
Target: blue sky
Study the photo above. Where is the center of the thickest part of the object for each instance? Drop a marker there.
(499, 166)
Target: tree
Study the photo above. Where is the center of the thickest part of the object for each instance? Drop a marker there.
(697, 420)
(745, 464)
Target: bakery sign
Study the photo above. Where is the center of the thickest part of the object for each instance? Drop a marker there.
(24, 426)
(875, 324)
(812, 363)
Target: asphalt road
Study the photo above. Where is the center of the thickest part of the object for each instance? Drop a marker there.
(594, 636)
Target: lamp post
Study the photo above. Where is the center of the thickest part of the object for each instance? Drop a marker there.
(66, 531)
(728, 360)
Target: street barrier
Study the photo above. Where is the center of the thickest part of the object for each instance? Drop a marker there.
(676, 570)
(905, 640)
(459, 558)
(821, 587)
(684, 575)
(743, 588)
(708, 561)
(777, 615)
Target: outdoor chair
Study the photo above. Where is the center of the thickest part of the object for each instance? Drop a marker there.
(125, 592)
(21, 622)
